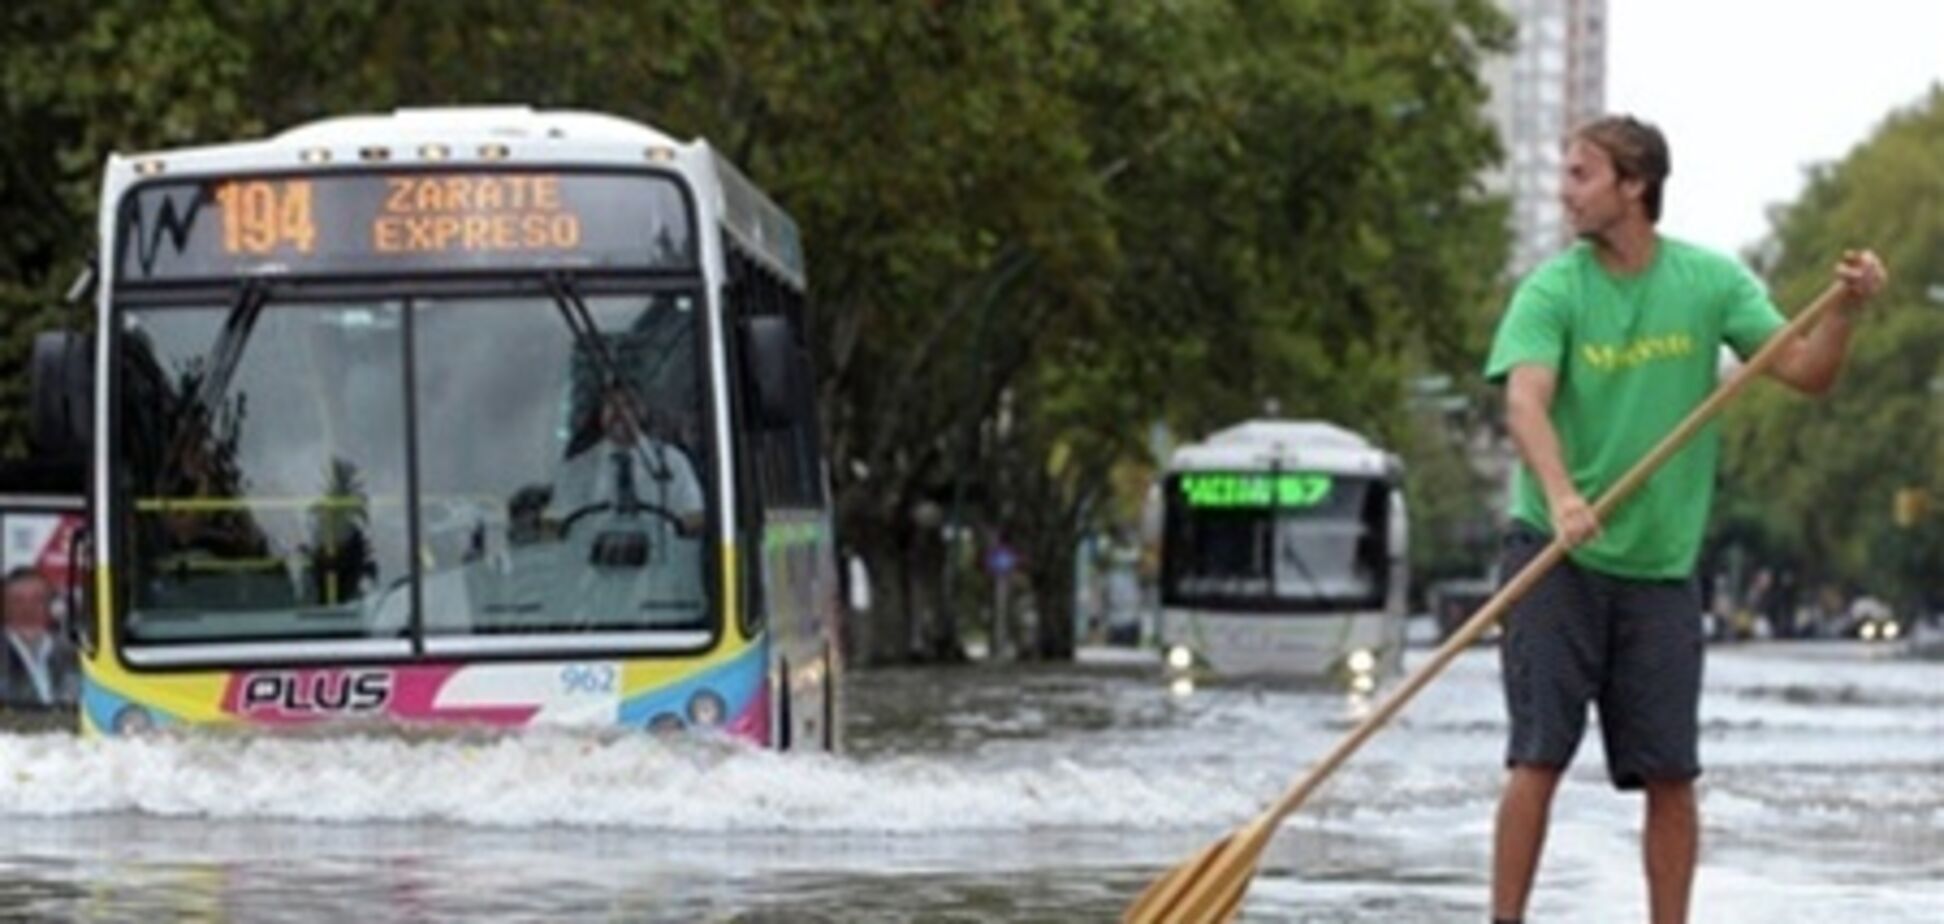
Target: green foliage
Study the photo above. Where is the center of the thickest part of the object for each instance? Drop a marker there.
(1810, 483)
(1296, 208)
(1451, 527)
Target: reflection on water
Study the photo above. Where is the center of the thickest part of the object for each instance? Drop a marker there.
(974, 794)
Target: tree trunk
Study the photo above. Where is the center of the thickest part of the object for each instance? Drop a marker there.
(924, 573)
(1053, 593)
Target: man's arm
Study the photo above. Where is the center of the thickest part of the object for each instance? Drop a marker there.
(1528, 414)
(1811, 363)
(684, 492)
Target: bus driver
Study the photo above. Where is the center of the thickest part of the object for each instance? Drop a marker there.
(627, 474)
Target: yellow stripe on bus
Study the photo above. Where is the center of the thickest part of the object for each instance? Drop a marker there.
(639, 676)
(192, 696)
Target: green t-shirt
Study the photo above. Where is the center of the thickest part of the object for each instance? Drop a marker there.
(1634, 355)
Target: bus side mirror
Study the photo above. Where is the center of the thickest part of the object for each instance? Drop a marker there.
(63, 394)
(772, 367)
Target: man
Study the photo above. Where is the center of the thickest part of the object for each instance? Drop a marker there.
(628, 472)
(630, 506)
(1605, 348)
(39, 666)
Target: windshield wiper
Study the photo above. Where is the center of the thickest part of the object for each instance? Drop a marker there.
(1313, 589)
(219, 367)
(573, 309)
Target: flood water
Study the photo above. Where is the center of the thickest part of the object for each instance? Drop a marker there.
(974, 794)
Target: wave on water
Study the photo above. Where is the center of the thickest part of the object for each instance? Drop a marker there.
(620, 781)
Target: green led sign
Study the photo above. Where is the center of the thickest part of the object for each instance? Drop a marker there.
(1255, 490)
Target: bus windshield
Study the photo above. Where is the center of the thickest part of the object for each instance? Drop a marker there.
(281, 483)
(1279, 541)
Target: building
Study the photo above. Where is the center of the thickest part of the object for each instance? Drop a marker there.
(1554, 80)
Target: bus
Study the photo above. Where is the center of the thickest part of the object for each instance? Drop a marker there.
(1283, 556)
(480, 416)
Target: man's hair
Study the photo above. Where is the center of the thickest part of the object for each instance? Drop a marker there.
(25, 573)
(1638, 151)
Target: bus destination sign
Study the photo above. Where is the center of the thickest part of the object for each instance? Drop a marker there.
(1243, 490)
(418, 222)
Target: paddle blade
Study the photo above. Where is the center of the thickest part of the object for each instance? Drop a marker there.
(1206, 889)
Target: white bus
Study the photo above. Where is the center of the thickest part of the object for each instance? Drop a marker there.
(472, 415)
(1283, 555)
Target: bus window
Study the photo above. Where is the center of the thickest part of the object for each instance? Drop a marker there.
(265, 464)
(552, 500)
(1311, 546)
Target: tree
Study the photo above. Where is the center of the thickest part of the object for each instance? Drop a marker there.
(1296, 214)
(1813, 482)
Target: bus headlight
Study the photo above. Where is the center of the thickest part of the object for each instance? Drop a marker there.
(1182, 687)
(1363, 683)
(1869, 632)
(133, 720)
(706, 709)
(1180, 658)
(1891, 630)
(1362, 661)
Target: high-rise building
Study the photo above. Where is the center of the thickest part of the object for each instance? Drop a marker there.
(1554, 80)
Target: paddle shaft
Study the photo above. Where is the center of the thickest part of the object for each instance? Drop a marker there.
(1495, 608)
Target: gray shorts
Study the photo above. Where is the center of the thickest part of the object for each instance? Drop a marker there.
(1633, 647)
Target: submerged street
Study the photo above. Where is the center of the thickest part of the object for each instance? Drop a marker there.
(1036, 793)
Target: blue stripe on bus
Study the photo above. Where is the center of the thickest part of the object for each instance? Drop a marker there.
(736, 682)
(102, 706)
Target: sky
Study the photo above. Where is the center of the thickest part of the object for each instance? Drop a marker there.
(1751, 93)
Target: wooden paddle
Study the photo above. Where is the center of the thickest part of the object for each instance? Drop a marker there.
(1208, 887)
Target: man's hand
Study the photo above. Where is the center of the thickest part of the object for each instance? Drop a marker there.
(1862, 275)
(1573, 518)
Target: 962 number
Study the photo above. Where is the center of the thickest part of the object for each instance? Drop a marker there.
(588, 678)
